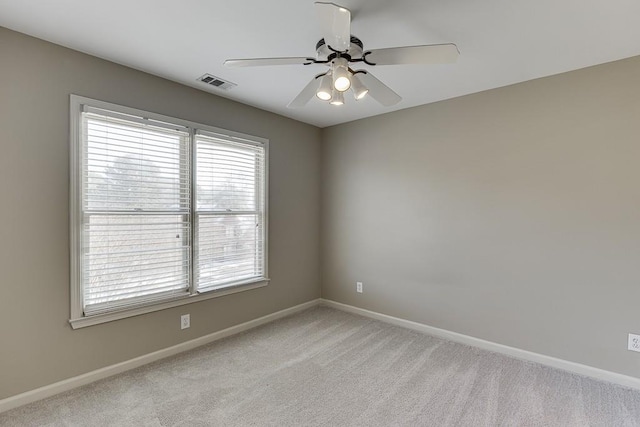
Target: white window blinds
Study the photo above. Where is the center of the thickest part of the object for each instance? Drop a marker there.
(230, 211)
(162, 209)
(136, 206)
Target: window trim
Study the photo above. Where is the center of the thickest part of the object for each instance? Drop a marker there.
(77, 317)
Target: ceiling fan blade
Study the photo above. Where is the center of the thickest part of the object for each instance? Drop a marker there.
(378, 90)
(306, 94)
(426, 54)
(259, 62)
(335, 22)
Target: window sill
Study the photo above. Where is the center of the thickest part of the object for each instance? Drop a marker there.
(97, 319)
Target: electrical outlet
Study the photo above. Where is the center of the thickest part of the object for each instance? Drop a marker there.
(634, 342)
(185, 321)
(359, 287)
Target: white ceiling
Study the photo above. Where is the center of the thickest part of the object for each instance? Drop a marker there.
(501, 42)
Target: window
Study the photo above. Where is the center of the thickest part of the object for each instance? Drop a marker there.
(163, 212)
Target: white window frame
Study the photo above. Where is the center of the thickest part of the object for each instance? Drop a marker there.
(78, 319)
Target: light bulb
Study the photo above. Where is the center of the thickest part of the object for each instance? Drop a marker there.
(359, 89)
(342, 84)
(337, 98)
(341, 75)
(341, 80)
(324, 90)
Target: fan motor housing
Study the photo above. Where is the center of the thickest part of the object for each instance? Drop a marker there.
(325, 52)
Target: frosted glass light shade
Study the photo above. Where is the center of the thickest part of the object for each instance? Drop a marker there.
(337, 98)
(325, 88)
(341, 81)
(359, 89)
(341, 75)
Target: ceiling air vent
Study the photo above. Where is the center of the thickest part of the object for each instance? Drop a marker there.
(216, 82)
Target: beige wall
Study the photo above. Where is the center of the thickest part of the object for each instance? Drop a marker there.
(37, 345)
(511, 215)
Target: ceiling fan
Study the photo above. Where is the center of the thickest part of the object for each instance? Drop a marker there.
(339, 49)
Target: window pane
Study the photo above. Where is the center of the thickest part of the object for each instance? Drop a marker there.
(228, 175)
(129, 256)
(230, 229)
(133, 168)
(229, 249)
(130, 166)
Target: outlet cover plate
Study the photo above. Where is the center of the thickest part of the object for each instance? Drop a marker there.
(634, 342)
(185, 321)
(359, 287)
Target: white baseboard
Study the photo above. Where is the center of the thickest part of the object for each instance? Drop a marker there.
(89, 377)
(565, 365)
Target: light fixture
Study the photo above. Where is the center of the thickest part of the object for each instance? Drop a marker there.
(359, 89)
(337, 98)
(341, 74)
(325, 89)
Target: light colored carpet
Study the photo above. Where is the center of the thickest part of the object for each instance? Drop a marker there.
(323, 367)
